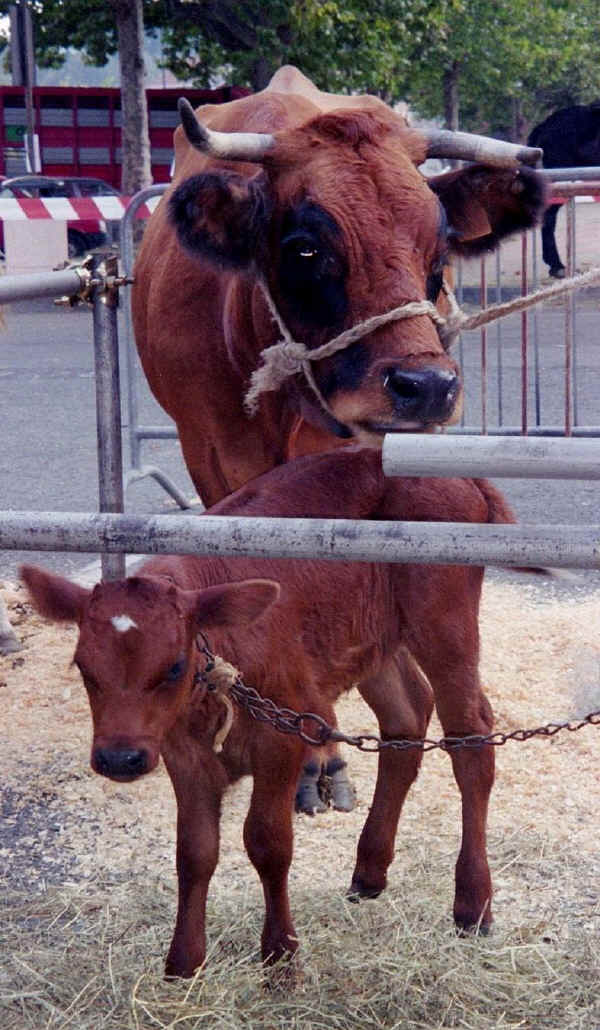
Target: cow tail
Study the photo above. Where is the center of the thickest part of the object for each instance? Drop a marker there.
(500, 512)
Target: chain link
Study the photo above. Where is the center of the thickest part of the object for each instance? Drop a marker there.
(285, 720)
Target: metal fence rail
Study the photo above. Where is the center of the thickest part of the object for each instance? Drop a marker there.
(328, 539)
(413, 454)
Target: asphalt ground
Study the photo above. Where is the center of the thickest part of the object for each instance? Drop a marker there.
(47, 410)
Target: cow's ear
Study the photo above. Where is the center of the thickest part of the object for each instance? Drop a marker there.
(221, 216)
(52, 596)
(483, 205)
(234, 604)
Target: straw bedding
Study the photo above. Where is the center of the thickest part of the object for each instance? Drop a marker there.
(88, 889)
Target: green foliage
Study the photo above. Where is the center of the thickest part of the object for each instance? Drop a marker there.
(514, 60)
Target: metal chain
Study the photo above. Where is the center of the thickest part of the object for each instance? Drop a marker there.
(286, 720)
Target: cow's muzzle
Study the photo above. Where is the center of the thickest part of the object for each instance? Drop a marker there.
(121, 763)
(425, 396)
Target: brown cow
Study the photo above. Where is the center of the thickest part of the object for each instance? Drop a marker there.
(319, 199)
(335, 624)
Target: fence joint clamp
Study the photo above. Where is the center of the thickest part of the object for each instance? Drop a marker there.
(103, 279)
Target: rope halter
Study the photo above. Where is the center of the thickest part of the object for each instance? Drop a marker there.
(288, 356)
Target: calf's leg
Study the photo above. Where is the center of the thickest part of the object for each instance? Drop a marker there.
(402, 701)
(449, 655)
(268, 835)
(199, 787)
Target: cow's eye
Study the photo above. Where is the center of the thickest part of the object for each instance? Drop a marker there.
(299, 246)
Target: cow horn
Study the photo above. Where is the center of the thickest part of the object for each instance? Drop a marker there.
(468, 147)
(230, 146)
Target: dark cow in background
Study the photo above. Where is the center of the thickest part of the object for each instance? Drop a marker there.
(570, 138)
(320, 199)
(335, 624)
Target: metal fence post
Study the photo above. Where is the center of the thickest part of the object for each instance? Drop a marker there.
(108, 399)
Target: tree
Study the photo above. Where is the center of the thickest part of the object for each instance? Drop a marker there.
(136, 172)
(100, 29)
(493, 65)
(506, 62)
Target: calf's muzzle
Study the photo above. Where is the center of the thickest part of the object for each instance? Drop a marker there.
(120, 763)
(425, 395)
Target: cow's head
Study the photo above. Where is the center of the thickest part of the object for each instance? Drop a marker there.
(341, 225)
(138, 658)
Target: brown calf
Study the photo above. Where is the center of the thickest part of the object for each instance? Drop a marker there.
(327, 626)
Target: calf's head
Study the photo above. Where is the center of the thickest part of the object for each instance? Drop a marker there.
(340, 225)
(137, 654)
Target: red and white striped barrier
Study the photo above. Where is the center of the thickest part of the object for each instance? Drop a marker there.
(71, 209)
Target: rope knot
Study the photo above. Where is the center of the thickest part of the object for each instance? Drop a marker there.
(219, 677)
(279, 362)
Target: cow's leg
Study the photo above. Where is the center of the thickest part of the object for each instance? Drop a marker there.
(198, 788)
(308, 796)
(324, 780)
(449, 655)
(549, 249)
(402, 701)
(268, 834)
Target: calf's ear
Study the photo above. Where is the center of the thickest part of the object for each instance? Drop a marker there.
(234, 604)
(483, 205)
(53, 596)
(221, 216)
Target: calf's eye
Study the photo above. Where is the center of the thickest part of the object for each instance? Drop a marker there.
(176, 671)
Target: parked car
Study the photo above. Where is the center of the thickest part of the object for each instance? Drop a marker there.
(82, 234)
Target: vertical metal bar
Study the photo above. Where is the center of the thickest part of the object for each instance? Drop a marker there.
(461, 354)
(499, 322)
(524, 369)
(484, 382)
(108, 404)
(127, 258)
(536, 340)
(574, 321)
(127, 262)
(570, 205)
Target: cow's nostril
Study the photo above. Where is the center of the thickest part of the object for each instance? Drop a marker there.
(426, 395)
(101, 763)
(402, 385)
(135, 761)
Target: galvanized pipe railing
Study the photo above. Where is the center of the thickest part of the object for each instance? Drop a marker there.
(138, 432)
(416, 454)
(324, 539)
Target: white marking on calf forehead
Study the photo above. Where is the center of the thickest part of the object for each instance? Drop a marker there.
(123, 622)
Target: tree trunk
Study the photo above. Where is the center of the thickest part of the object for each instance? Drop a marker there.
(518, 126)
(136, 173)
(262, 72)
(450, 81)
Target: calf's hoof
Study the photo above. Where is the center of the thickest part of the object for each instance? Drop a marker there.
(361, 891)
(558, 272)
(471, 924)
